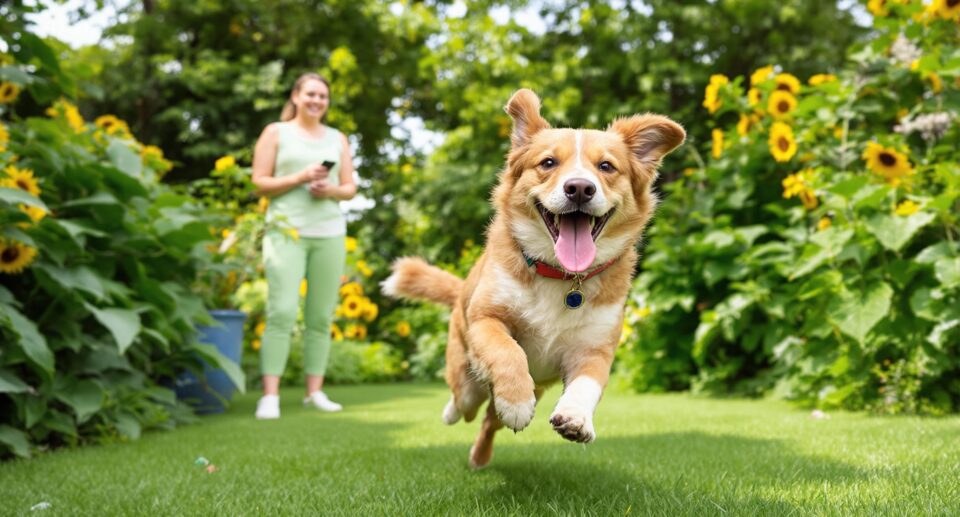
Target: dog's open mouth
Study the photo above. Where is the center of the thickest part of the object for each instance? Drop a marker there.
(574, 235)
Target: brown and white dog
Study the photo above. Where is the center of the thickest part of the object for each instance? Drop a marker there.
(545, 300)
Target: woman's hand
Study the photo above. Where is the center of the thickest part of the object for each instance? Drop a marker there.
(313, 173)
(322, 188)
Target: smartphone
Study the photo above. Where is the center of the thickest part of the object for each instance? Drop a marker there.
(328, 164)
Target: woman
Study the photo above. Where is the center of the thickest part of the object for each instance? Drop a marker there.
(305, 168)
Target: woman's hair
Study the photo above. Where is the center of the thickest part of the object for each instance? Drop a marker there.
(290, 109)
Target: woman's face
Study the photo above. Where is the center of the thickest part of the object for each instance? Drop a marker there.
(312, 99)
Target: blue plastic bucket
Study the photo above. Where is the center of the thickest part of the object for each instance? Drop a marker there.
(209, 394)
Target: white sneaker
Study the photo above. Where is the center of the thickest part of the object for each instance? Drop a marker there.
(319, 400)
(268, 407)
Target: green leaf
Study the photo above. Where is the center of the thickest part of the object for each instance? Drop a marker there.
(84, 396)
(13, 74)
(17, 196)
(933, 253)
(78, 278)
(938, 336)
(123, 158)
(947, 270)
(860, 312)
(10, 383)
(34, 345)
(894, 232)
(847, 188)
(213, 356)
(128, 426)
(100, 198)
(123, 324)
(16, 440)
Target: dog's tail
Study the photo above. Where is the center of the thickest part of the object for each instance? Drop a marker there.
(414, 279)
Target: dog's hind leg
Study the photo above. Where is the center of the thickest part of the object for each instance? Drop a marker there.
(482, 451)
(468, 393)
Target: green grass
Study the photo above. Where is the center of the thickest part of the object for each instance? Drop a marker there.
(387, 453)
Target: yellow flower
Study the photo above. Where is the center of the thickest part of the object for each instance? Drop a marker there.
(403, 329)
(819, 79)
(878, 8)
(753, 97)
(824, 223)
(224, 163)
(303, 288)
(361, 332)
(258, 330)
(113, 126)
(8, 92)
(717, 150)
(781, 103)
(936, 85)
(788, 83)
(351, 288)
(795, 185)
(407, 168)
(255, 344)
(838, 132)
(352, 306)
(907, 207)
(338, 313)
(782, 143)
(351, 244)
(70, 113)
(15, 256)
(689, 171)
(761, 75)
(746, 123)
(4, 137)
(22, 179)
(351, 331)
(35, 212)
(370, 311)
(887, 162)
(335, 333)
(711, 97)
(293, 234)
(364, 269)
(263, 204)
(949, 9)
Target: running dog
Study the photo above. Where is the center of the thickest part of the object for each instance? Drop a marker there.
(545, 300)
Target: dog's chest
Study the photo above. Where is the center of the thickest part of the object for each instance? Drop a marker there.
(549, 331)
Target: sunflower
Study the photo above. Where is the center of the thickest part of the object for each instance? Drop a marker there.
(936, 85)
(717, 143)
(263, 204)
(255, 344)
(370, 311)
(364, 269)
(796, 185)
(746, 123)
(788, 83)
(753, 97)
(781, 103)
(15, 256)
(22, 179)
(69, 112)
(878, 8)
(4, 137)
(353, 306)
(224, 163)
(949, 9)
(351, 331)
(887, 162)
(113, 126)
(361, 331)
(258, 330)
(711, 97)
(35, 212)
(824, 223)
(819, 79)
(335, 333)
(907, 207)
(351, 288)
(350, 243)
(8, 92)
(782, 143)
(761, 75)
(403, 329)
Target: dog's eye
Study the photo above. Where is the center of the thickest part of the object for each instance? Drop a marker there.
(548, 163)
(606, 166)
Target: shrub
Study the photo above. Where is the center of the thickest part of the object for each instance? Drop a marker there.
(814, 253)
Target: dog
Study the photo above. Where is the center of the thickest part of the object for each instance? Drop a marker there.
(545, 300)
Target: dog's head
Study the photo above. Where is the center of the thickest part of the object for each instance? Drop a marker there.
(580, 197)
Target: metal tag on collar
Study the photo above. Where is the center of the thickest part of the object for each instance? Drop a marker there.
(574, 298)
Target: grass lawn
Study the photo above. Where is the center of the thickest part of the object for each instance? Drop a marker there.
(388, 453)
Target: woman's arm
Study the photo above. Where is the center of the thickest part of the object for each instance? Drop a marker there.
(347, 188)
(264, 157)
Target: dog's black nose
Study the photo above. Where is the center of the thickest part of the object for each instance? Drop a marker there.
(579, 190)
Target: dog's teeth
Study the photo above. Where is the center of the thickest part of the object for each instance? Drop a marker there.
(593, 221)
(556, 220)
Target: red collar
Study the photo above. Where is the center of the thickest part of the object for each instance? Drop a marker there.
(546, 270)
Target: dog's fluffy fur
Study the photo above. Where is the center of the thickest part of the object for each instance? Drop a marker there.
(510, 333)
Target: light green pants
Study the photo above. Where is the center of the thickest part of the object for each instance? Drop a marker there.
(287, 261)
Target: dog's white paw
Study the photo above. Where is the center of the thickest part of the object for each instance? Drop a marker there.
(574, 424)
(450, 413)
(515, 416)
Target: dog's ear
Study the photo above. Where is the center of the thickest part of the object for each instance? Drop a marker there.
(649, 137)
(524, 109)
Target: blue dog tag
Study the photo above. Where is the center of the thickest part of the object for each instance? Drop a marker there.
(574, 299)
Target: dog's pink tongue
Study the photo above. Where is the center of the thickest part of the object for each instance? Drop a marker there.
(575, 249)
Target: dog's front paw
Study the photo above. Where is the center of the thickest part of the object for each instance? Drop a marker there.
(573, 424)
(515, 416)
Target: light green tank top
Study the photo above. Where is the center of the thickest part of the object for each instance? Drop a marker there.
(296, 208)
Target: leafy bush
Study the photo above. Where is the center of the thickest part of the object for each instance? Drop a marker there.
(96, 260)
(814, 253)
